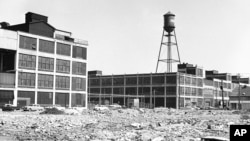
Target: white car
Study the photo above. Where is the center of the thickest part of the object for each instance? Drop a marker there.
(33, 107)
(101, 108)
(115, 106)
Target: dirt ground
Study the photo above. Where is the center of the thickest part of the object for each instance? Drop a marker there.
(160, 124)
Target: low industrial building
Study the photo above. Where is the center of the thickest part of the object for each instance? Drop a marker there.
(189, 86)
(40, 64)
(177, 89)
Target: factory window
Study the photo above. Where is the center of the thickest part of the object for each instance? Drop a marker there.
(200, 92)
(94, 82)
(171, 90)
(182, 79)
(182, 90)
(26, 79)
(193, 81)
(78, 83)
(181, 102)
(45, 98)
(187, 91)
(27, 43)
(62, 66)
(79, 52)
(187, 80)
(106, 91)
(62, 82)
(193, 91)
(106, 81)
(46, 64)
(158, 80)
(46, 46)
(94, 90)
(229, 86)
(144, 80)
(171, 79)
(28, 95)
(131, 80)
(45, 81)
(158, 90)
(79, 68)
(118, 91)
(131, 91)
(78, 100)
(144, 91)
(27, 61)
(199, 82)
(118, 81)
(63, 49)
(62, 99)
(216, 84)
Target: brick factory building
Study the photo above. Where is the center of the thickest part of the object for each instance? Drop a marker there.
(40, 64)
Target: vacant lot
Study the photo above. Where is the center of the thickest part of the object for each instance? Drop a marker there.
(120, 125)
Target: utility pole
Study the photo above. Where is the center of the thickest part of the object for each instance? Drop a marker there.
(239, 105)
(221, 87)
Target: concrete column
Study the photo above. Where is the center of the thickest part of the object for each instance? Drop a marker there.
(15, 98)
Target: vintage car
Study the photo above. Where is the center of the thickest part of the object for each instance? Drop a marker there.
(10, 107)
(33, 107)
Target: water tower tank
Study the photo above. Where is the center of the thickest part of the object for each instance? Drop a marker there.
(169, 22)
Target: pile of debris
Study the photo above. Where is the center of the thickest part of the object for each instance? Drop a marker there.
(158, 124)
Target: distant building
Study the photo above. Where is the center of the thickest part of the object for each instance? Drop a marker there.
(240, 97)
(41, 64)
(152, 89)
(187, 87)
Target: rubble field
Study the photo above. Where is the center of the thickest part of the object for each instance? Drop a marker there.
(159, 124)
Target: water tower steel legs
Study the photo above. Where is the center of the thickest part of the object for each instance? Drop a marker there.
(169, 57)
(169, 44)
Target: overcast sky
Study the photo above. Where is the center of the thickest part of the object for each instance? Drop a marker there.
(124, 35)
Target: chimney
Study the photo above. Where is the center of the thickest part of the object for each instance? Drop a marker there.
(33, 17)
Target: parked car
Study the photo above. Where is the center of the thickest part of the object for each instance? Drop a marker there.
(101, 107)
(33, 107)
(10, 107)
(115, 106)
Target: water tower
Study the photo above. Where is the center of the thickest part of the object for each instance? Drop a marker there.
(168, 34)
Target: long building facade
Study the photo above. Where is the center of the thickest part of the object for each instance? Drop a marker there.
(189, 86)
(40, 64)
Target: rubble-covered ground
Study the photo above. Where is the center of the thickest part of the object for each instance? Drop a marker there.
(160, 124)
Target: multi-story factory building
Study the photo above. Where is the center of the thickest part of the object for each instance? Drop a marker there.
(152, 89)
(40, 64)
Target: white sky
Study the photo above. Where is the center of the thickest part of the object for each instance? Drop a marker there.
(124, 35)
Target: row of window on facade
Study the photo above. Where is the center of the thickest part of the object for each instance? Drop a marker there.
(47, 64)
(43, 98)
(146, 80)
(170, 90)
(216, 92)
(46, 81)
(156, 80)
(49, 47)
